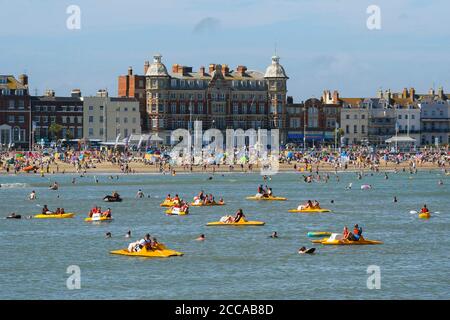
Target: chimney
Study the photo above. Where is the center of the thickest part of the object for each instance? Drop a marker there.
(431, 92)
(202, 71)
(23, 79)
(185, 70)
(176, 68)
(76, 93)
(146, 66)
(335, 97)
(225, 70)
(241, 70)
(49, 93)
(405, 93)
(290, 100)
(212, 67)
(388, 94)
(102, 93)
(130, 71)
(412, 94)
(441, 92)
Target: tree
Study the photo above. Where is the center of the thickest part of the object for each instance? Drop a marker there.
(69, 135)
(55, 130)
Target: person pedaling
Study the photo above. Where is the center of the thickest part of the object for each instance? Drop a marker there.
(147, 242)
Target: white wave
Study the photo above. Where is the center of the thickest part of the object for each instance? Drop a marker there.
(13, 185)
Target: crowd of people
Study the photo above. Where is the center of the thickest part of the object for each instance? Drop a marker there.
(46, 162)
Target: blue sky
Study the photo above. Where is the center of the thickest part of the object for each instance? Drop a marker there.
(323, 44)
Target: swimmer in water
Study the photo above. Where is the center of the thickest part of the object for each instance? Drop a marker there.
(395, 199)
(128, 234)
(108, 235)
(32, 195)
(140, 194)
(440, 182)
(201, 238)
(274, 235)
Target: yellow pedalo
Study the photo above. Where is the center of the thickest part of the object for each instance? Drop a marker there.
(174, 211)
(160, 251)
(98, 217)
(241, 222)
(425, 215)
(54, 216)
(310, 210)
(337, 239)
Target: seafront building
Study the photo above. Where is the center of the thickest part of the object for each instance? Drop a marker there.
(219, 96)
(110, 119)
(160, 101)
(15, 112)
(312, 122)
(64, 112)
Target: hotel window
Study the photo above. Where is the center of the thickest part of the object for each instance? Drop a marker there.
(347, 129)
(44, 119)
(91, 108)
(91, 119)
(173, 83)
(80, 119)
(21, 104)
(244, 108)
(52, 119)
(272, 108)
(155, 123)
(134, 120)
(160, 107)
(125, 120)
(200, 96)
(200, 107)
(413, 116)
(173, 108)
(400, 117)
(347, 116)
(355, 116)
(117, 120)
(261, 108)
(182, 108)
(10, 119)
(5, 92)
(363, 129)
(64, 132)
(182, 83)
(117, 132)
(355, 129)
(11, 104)
(79, 132)
(101, 119)
(253, 109)
(100, 131)
(125, 132)
(181, 96)
(91, 132)
(161, 123)
(36, 119)
(235, 108)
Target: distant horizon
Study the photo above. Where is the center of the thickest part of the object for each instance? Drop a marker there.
(323, 44)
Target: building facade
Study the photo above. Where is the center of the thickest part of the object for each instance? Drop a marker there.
(107, 119)
(435, 120)
(219, 97)
(66, 112)
(312, 122)
(133, 86)
(15, 112)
